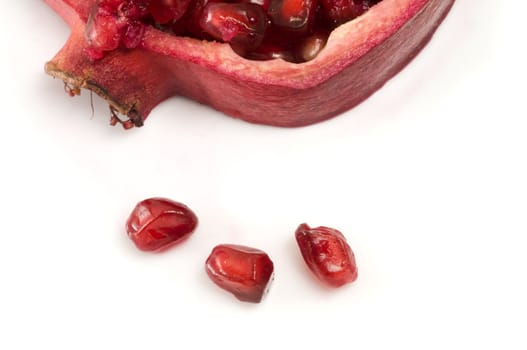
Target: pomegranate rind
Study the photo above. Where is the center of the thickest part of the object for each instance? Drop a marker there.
(359, 58)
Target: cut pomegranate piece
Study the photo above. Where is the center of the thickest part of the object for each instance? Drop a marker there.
(158, 223)
(245, 272)
(327, 254)
(136, 69)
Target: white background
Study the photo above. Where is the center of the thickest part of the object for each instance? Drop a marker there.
(427, 179)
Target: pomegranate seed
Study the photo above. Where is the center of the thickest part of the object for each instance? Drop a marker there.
(192, 17)
(327, 254)
(158, 223)
(102, 30)
(243, 271)
(293, 15)
(240, 24)
(135, 9)
(269, 51)
(165, 11)
(133, 35)
(311, 46)
(263, 3)
(341, 11)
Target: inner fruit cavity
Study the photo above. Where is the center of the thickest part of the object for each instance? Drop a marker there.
(294, 30)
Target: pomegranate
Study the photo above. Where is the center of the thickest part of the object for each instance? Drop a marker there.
(245, 272)
(327, 254)
(276, 62)
(158, 223)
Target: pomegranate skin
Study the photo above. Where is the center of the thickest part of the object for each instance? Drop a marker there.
(327, 254)
(243, 271)
(156, 224)
(359, 57)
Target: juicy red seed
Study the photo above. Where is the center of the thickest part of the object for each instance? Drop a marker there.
(240, 24)
(102, 33)
(293, 15)
(165, 11)
(192, 16)
(133, 35)
(263, 3)
(311, 46)
(341, 11)
(135, 9)
(243, 271)
(327, 254)
(158, 223)
(269, 51)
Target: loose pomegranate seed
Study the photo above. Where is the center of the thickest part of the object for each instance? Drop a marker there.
(293, 15)
(245, 272)
(327, 254)
(240, 24)
(158, 223)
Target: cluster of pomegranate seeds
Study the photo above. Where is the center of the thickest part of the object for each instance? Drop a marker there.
(294, 30)
(158, 223)
(245, 272)
(327, 254)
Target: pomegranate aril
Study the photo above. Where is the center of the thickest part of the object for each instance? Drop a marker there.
(191, 19)
(135, 9)
(165, 11)
(341, 11)
(103, 32)
(271, 51)
(311, 46)
(327, 254)
(263, 3)
(133, 35)
(242, 25)
(158, 223)
(293, 15)
(243, 271)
